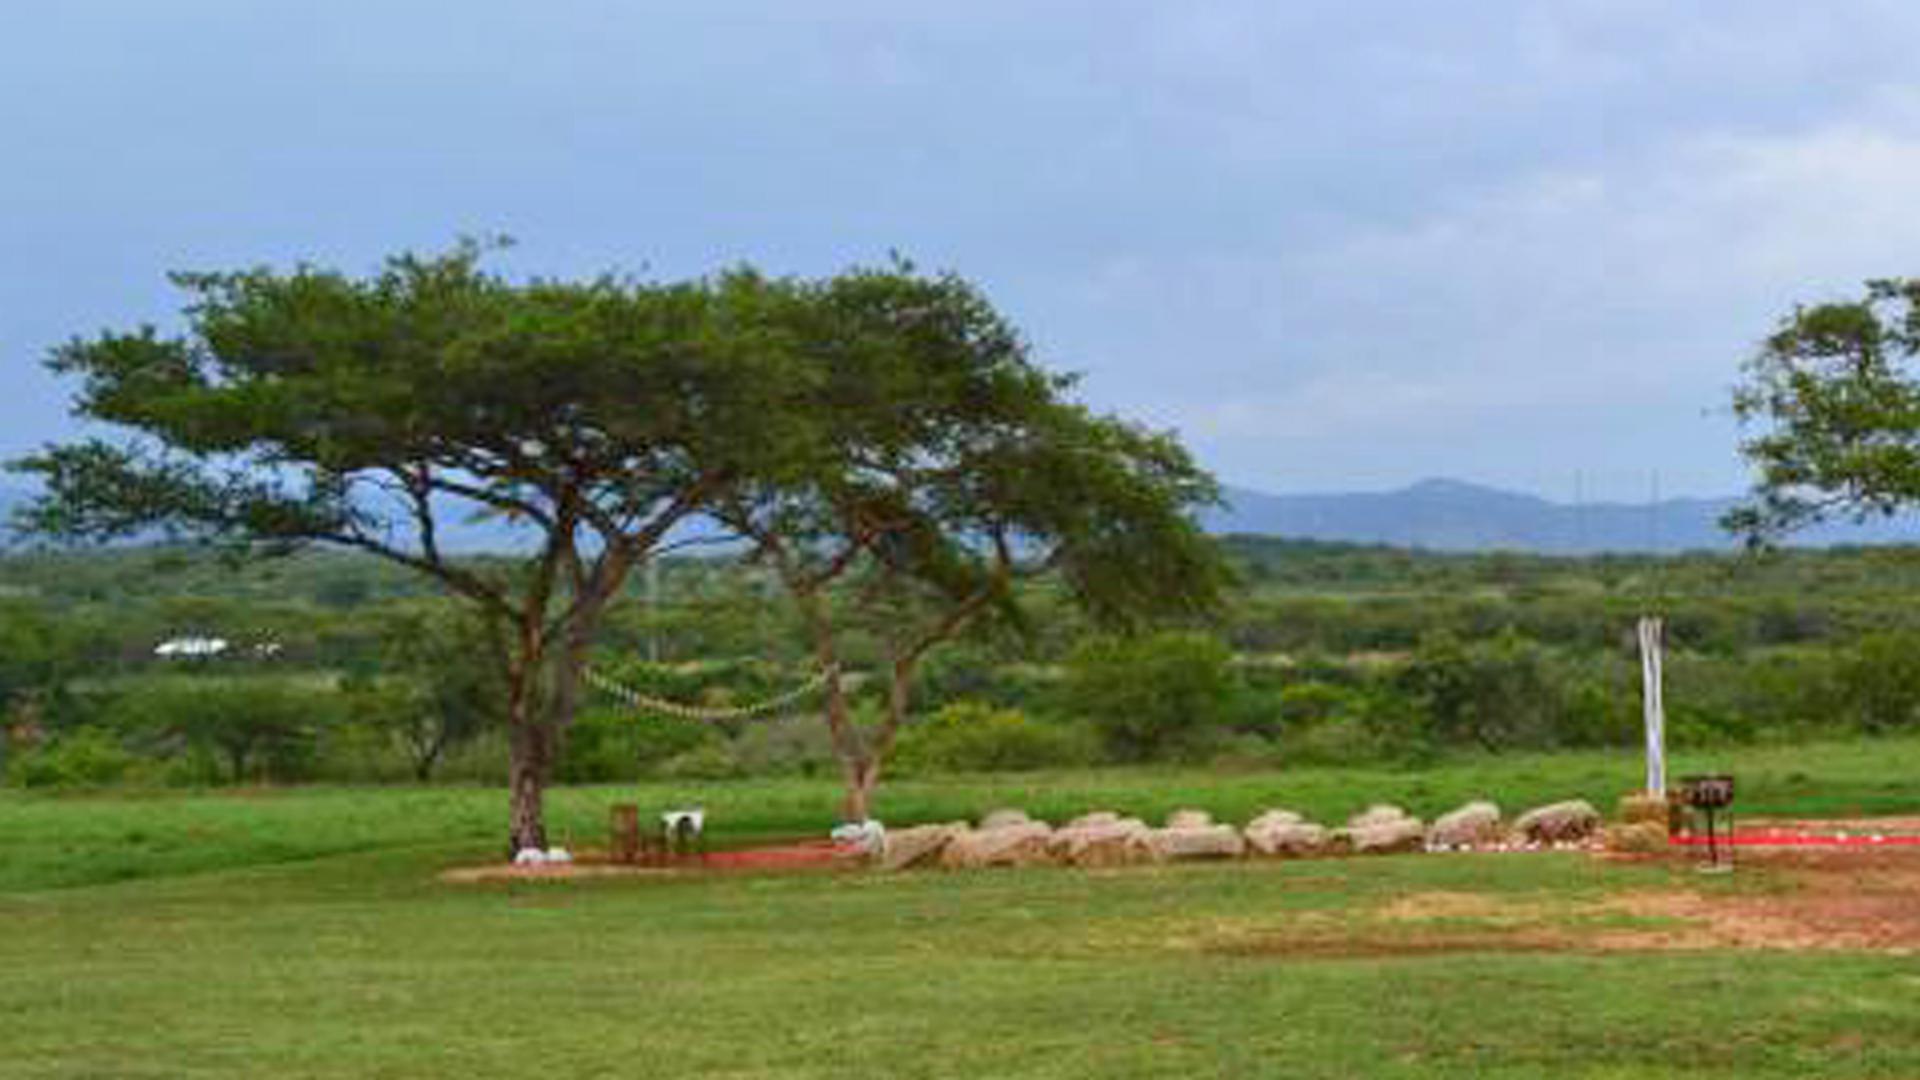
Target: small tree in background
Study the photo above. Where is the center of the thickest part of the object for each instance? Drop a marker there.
(250, 728)
(438, 688)
(1151, 695)
(1496, 694)
(36, 658)
(1881, 681)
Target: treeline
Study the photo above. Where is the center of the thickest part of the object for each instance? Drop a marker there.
(337, 667)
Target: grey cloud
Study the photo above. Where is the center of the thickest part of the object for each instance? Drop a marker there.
(1334, 243)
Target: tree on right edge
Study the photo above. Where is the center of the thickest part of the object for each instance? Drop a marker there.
(1835, 396)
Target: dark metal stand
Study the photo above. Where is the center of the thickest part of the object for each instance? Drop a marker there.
(1711, 796)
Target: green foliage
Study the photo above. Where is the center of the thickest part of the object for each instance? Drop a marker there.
(972, 737)
(1498, 695)
(83, 757)
(1331, 724)
(1767, 648)
(1152, 695)
(37, 656)
(257, 728)
(1881, 681)
(443, 684)
(713, 759)
(795, 746)
(605, 745)
(1835, 393)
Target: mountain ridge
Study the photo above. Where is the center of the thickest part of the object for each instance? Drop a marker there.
(1444, 514)
(1438, 514)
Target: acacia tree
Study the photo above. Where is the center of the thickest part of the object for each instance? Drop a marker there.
(437, 689)
(954, 471)
(1835, 393)
(373, 413)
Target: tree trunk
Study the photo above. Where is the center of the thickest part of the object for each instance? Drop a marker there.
(543, 693)
(863, 769)
(529, 757)
(862, 777)
(855, 763)
(529, 768)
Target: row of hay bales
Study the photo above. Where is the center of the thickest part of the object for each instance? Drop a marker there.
(1105, 838)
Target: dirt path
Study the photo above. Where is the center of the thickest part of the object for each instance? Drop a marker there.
(1823, 899)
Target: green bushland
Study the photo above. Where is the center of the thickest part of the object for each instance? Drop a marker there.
(343, 671)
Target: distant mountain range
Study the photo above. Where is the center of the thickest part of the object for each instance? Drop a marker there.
(1439, 515)
(1450, 515)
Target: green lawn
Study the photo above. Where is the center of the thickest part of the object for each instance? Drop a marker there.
(304, 934)
(48, 841)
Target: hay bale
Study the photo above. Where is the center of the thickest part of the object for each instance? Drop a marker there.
(1196, 842)
(1028, 844)
(1003, 817)
(1275, 817)
(1377, 814)
(1189, 819)
(1471, 825)
(1267, 835)
(905, 849)
(1119, 842)
(1637, 837)
(1641, 807)
(1388, 837)
(1574, 819)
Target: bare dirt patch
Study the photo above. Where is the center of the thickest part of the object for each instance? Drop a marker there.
(1817, 899)
(809, 855)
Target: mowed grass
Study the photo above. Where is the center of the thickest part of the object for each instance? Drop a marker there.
(364, 965)
(305, 934)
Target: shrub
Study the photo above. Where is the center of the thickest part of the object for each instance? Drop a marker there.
(84, 757)
(786, 747)
(1247, 752)
(1498, 694)
(713, 760)
(607, 745)
(1882, 681)
(257, 727)
(1148, 696)
(1306, 704)
(971, 737)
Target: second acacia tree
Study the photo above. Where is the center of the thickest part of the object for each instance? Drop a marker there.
(955, 476)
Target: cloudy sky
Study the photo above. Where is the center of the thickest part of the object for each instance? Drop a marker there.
(1339, 245)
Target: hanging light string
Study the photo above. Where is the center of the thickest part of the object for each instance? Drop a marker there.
(639, 702)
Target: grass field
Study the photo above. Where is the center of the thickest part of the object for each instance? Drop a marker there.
(305, 934)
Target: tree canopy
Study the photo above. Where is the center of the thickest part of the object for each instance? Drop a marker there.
(881, 428)
(311, 405)
(953, 471)
(1835, 395)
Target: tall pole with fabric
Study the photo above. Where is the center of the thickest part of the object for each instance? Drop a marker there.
(1652, 641)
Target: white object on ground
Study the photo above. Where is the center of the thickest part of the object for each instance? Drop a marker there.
(532, 856)
(559, 855)
(692, 821)
(869, 836)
